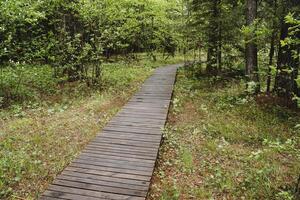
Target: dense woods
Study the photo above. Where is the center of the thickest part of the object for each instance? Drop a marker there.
(73, 37)
(262, 37)
(242, 59)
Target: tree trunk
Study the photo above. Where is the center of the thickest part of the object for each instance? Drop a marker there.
(272, 48)
(287, 67)
(251, 47)
(220, 48)
(271, 55)
(212, 52)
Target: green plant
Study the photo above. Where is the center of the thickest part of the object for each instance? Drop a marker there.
(172, 193)
(186, 158)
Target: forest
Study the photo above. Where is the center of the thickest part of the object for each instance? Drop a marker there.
(233, 129)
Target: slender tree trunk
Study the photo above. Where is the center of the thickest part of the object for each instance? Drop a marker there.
(220, 48)
(271, 55)
(200, 54)
(272, 48)
(251, 47)
(271, 58)
(200, 60)
(212, 52)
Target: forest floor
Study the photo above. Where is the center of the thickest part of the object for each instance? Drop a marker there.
(220, 143)
(39, 139)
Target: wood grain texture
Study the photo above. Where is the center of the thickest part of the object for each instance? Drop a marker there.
(119, 162)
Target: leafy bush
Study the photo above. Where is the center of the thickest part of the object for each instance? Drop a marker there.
(22, 82)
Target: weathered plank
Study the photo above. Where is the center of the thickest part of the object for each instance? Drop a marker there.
(118, 163)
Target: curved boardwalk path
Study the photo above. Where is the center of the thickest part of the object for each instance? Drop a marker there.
(118, 164)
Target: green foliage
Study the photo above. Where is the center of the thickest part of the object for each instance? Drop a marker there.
(59, 31)
(294, 31)
(186, 159)
(171, 193)
(258, 32)
(74, 37)
(17, 164)
(21, 82)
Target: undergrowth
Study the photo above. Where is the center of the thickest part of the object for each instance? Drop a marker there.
(39, 138)
(221, 144)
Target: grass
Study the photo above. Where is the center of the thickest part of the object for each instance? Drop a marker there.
(222, 144)
(31, 84)
(39, 138)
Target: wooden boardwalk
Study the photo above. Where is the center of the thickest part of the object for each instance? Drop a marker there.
(118, 164)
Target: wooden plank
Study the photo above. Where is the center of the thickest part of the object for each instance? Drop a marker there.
(66, 196)
(128, 149)
(149, 100)
(148, 112)
(139, 118)
(100, 182)
(133, 136)
(123, 147)
(126, 181)
(118, 163)
(126, 165)
(117, 152)
(149, 107)
(114, 157)
(135, 125)
(63, 191)
(109, 174)
(128, 142)
(149, 131)
(139, 114)
(123, 152)
(114, 161)
(91, 185)
(110, 169)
